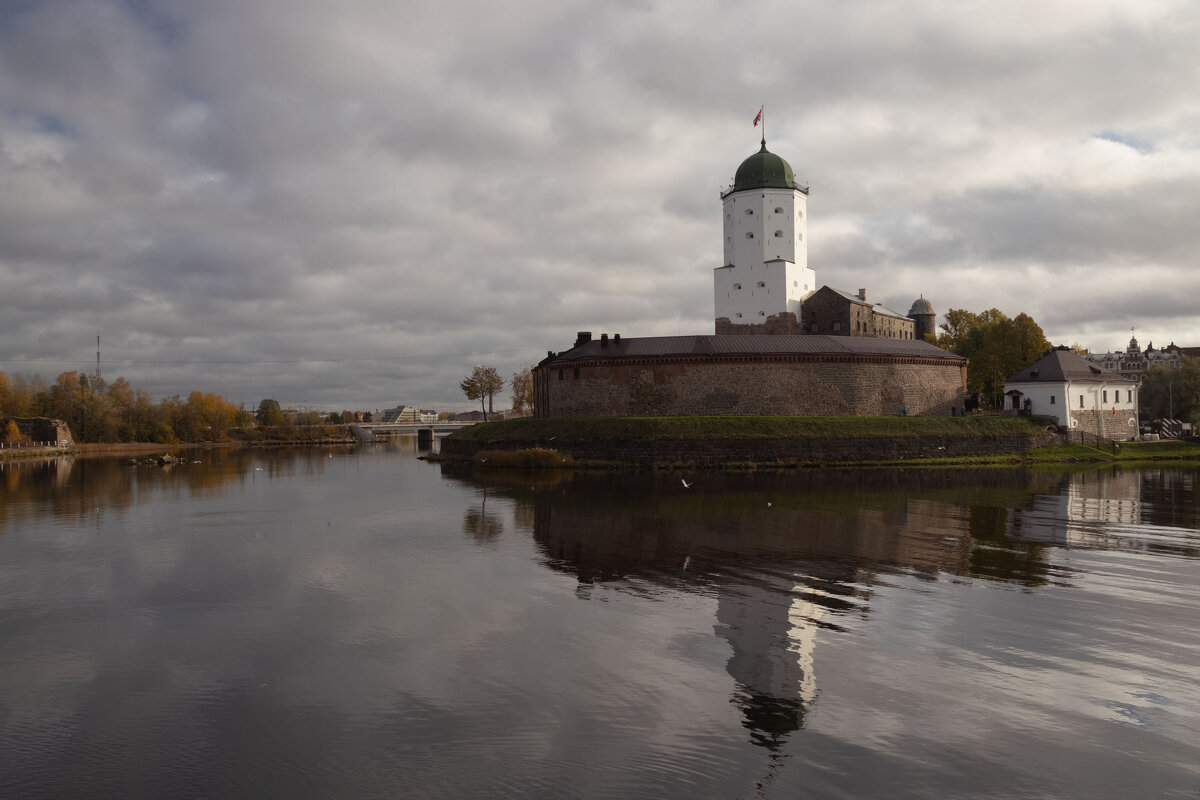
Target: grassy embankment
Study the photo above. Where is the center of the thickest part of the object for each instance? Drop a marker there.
(547, 435)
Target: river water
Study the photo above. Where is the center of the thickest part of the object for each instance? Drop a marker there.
(361, 623)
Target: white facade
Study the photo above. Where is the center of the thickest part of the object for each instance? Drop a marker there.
(766, 268)
(1059, 399)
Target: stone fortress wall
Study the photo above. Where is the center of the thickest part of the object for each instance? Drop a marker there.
(795, 386)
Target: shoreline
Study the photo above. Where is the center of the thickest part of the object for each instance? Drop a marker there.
(749, 443)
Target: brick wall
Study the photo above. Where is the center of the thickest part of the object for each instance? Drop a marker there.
(776, 324)
(816, 386)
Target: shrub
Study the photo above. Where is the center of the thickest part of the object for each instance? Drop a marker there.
(533, 458)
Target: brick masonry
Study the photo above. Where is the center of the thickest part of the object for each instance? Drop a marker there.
(782, 323)
(787, 386)
(1105, 423)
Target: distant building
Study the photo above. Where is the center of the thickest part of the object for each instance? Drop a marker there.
(1077, 394)
(1132, 362)
(400, 414)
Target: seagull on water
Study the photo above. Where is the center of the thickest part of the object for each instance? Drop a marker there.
(686, 485)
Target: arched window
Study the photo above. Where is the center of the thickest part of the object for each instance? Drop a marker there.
(748, 211)
(737, 286)
(749, 234)
(761, 284)
(778, 209)
(778, 234)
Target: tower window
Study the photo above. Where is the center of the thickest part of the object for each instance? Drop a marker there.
(837, 326)
(762, 313)
(799, 215)
(739, 315)
(748, 211)
(778, 234)
(750, 234)
(737, 286)
(799, 237)
(1051, 399)
(778, 209)
(795, 283)
(761, 284)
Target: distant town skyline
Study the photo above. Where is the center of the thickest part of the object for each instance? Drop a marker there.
(349, 206)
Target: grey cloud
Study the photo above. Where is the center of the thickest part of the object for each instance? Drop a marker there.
(416, 190)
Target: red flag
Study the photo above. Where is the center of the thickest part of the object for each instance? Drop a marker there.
(758, 118)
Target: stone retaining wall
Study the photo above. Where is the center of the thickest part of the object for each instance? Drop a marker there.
(719, 452)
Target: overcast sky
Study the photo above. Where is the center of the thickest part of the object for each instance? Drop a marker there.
(347, 205)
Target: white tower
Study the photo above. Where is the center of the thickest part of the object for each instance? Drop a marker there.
(766, 274)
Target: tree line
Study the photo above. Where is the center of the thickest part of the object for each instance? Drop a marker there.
(997, 346)
(98, 411)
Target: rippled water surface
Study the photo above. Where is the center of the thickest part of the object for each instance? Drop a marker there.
(360, 623)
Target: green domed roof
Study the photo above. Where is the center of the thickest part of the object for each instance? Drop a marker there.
(763, 170)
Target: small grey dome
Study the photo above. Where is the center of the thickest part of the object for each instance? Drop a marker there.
(920, 306)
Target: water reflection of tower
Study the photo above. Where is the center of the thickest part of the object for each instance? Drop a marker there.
(771, 627)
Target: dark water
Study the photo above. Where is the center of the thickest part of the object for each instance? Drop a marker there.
(364, 624)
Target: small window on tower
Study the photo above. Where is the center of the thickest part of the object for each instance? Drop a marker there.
(739, 315)
(778, 234)
(799, 215)
(778, 209)
(837, 326)
(748, 211)
(795, 283)
(799, 237)
(750, 234)
(737, 286)
(762, 313)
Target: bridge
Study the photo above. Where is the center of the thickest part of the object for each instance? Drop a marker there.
(412, 427)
